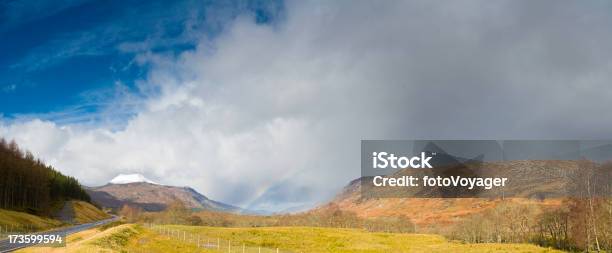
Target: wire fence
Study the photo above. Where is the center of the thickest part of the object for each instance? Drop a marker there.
(6, 230)
(211, 243)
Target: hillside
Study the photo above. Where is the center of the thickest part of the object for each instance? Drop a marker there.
(34, 196)
(28, 184)
(79, 212)
(73, 212)
(20, 221)
(153, 197)
(85, 212)
(440, 211)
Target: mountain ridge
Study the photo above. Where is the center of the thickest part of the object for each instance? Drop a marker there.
(443, 211)
(154, 197)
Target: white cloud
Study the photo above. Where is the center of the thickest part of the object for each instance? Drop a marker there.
(272, 115)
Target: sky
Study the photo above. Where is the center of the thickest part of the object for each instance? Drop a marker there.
(263, 104)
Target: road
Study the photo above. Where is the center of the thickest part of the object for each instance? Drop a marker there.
(5, 246)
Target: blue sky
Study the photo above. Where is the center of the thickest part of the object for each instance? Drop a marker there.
(60, 59)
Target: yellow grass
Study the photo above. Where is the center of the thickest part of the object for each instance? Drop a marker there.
(122, 238)
(19, 220)
(335, 240)
(92, 240)
(85, 212)
(135, 238)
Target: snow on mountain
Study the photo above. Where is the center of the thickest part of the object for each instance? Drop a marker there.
(136, 190)
(130, 178)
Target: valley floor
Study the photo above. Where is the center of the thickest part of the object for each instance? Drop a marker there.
(138, 238)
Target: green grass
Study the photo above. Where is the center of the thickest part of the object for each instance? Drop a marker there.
(14, 220)
(335, 240)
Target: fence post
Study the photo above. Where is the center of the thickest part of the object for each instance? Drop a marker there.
(229, 246)
(218, 243)
(243, 248)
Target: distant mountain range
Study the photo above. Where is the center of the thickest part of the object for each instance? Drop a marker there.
(136, 190)
(542, 182)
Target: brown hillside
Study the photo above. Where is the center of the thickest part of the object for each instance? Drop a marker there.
(153, 197)
(440, 211)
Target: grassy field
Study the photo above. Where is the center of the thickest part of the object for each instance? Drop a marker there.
(19, 221)
(135, 238)
(309, 239)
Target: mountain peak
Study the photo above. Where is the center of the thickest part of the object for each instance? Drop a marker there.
(135, 189)
(130, 178)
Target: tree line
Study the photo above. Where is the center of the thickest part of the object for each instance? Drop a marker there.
(582, 221)
(28, 184)
(332, 216)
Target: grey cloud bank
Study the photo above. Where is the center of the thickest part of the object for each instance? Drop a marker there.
(271, 116)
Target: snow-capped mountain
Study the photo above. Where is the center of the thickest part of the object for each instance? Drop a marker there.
(130, 178)
(135, 189)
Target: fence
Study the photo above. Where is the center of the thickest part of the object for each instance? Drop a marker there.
(10, 229)
(212, 243)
